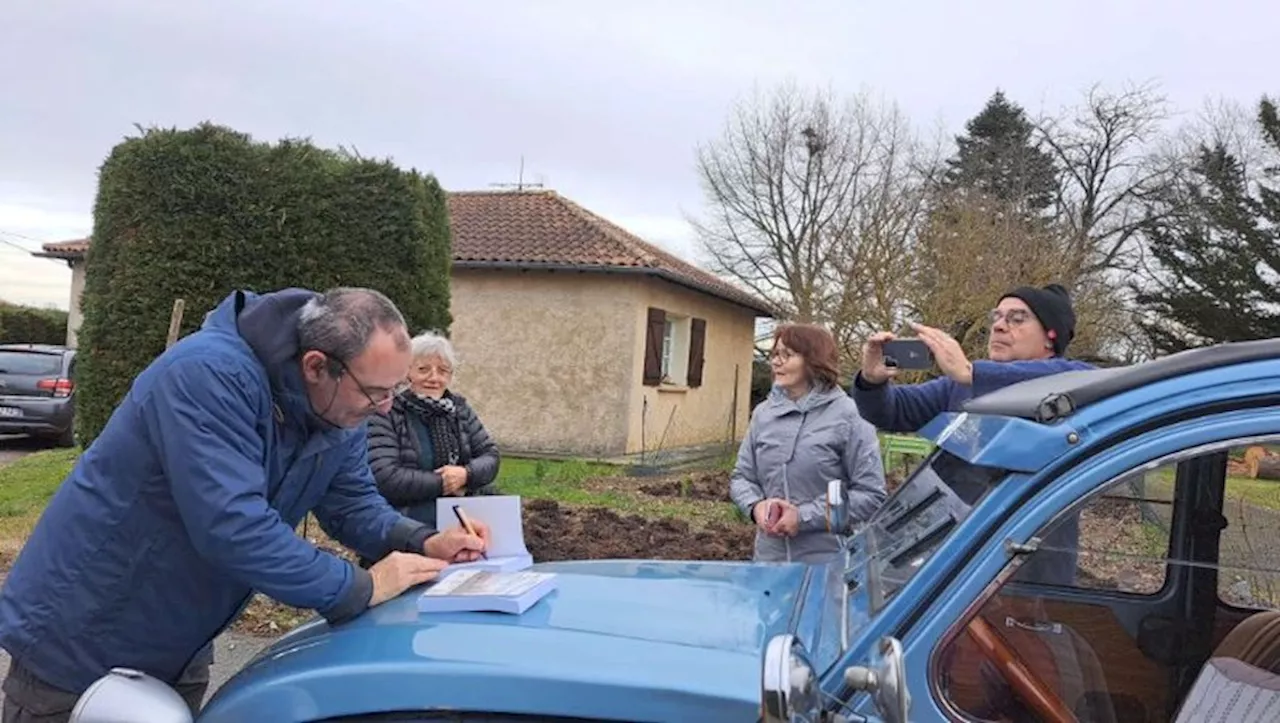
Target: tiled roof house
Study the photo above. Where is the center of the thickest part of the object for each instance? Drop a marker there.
(577, 337)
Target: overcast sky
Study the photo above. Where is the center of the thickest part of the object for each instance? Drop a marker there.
(606, 101)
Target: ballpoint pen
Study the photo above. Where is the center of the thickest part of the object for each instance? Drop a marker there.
(466, 525)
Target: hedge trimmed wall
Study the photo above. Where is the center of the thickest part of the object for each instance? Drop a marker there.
(197, 213)
(29, 325)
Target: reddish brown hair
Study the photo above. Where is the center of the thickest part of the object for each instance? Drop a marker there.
(816, 345)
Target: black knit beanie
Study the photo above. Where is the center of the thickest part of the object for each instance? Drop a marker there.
(1052, 306)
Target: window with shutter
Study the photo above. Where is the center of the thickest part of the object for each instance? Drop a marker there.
(697, 345)
(654, 333)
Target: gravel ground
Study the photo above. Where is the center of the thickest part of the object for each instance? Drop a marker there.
(12, 447)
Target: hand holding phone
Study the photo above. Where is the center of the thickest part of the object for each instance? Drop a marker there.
(907, 354)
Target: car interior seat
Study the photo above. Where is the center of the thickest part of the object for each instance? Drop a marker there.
(1240, 683)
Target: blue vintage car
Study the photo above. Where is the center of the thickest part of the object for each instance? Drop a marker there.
(1091, 546)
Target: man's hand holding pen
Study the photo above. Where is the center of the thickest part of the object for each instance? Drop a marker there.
(457, 544)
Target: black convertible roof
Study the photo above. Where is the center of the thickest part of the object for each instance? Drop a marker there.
(1056, 396)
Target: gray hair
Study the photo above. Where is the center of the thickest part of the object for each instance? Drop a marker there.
(341, 321)
(430, 342)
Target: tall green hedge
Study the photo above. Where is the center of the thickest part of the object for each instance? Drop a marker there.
(197, 213)
(29, 325)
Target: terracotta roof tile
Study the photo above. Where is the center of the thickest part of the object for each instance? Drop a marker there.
(543, 228)
(73, 249)
(81, 244)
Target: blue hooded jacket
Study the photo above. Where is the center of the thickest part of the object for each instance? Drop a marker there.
(186, 504)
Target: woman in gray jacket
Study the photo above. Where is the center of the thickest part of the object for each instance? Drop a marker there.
(805, 434)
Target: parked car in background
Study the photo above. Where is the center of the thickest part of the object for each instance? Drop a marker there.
(37, 391)
(1172, 613)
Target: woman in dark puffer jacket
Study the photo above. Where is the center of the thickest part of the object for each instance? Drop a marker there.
(430, 443)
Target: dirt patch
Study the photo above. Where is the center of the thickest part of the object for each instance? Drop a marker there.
(553, 532)
(1120, 548)
(712, 486)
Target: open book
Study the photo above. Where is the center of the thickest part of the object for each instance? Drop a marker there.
(486, 591)
(502, 513)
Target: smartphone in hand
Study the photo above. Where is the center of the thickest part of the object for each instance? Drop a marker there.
(907, 354)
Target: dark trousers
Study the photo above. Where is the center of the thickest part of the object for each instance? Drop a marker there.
(27, 699)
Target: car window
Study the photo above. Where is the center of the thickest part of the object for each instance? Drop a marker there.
(1124, 535)
(1249, 549)
(916, 520)
(29, 363)
(1093, 624)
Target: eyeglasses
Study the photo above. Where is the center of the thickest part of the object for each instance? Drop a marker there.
(1014, 317)
(376, 399)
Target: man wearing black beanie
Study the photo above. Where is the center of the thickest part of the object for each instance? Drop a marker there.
(1052, 306)
(1030, 330)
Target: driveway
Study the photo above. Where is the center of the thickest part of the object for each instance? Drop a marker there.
(14, 446)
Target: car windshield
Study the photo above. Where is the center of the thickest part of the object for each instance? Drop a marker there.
(29, 363)
(919, 516)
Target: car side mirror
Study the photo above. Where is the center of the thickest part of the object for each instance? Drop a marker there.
(837, 512)
(885, 679)
(124, 695)
(788, 684)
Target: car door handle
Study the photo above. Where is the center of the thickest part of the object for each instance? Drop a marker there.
(1035, 627)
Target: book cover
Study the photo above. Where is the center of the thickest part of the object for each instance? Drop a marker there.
(486, 591)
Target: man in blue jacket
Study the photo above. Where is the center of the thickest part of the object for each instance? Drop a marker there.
(187, 502)
(1029, 333)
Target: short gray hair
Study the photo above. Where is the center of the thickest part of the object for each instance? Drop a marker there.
(430, 342)
(341, 321)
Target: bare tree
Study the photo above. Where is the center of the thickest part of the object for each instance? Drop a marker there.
(792, 185)
(1105, 152)
(975, 248)
(876, 263)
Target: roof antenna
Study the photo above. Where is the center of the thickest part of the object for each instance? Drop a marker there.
(520, 184)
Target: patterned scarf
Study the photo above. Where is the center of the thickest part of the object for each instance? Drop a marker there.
(441, 419)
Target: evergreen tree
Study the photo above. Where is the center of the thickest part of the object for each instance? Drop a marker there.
(998, 157)
(1216, 241)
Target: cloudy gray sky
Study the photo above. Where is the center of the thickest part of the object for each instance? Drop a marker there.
(605, 100)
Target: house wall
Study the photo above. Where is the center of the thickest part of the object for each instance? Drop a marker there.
(545, 357)
(675, 415)
(74, 316)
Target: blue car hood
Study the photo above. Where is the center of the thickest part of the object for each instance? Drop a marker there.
(629, 640)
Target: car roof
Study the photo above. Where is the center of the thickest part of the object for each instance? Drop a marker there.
(38, 348)
(1057, 396)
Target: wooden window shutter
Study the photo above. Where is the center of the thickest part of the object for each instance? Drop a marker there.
(653, 347)
(697, 345)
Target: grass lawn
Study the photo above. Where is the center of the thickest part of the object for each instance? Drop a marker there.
(26, 486)
(1260, 492)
